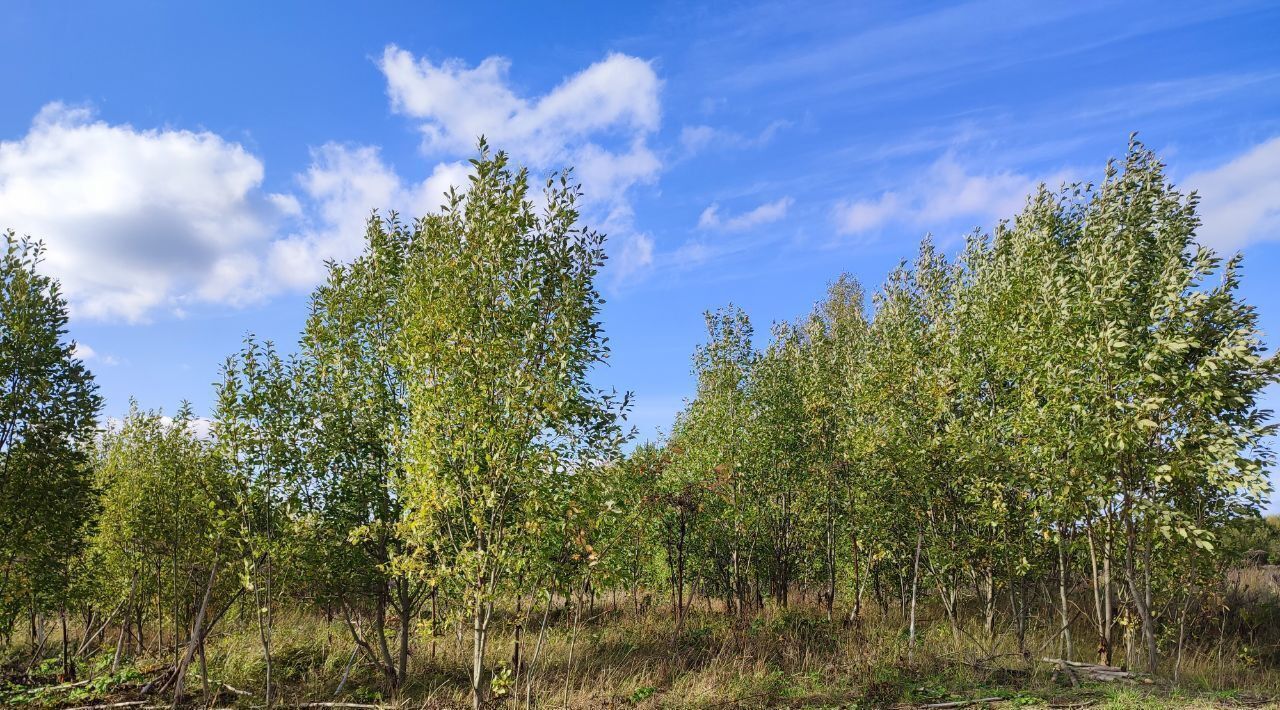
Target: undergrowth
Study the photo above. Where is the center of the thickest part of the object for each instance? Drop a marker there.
(622, 659)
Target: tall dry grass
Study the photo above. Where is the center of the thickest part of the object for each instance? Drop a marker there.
(619, 656)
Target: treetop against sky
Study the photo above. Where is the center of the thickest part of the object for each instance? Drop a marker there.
(191, 168)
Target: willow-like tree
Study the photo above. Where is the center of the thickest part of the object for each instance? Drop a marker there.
(48, 409)
(501, 331)
(1166, 369)
(354, 392)
(167, 509)
(260, 435)
(830, 389)
(710, 450)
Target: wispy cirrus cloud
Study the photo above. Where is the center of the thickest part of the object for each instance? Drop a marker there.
(711, 219)
(942, 194)
(697, 138)
(1240, 199)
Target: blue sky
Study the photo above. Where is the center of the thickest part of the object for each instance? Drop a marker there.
(189, 165)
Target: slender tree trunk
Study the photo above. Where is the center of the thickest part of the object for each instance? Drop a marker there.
(406, 621)
(196, 642)
(386, 660)
(68, 673)
(1108, 602)
(573, 639)
(856, 615)
(519, 629)
(1182, 631)
(435, 629)
(735, 583)
(264, 637)
(1101, 600)
(1068, 649)
(204, 673)
(680, 605)
(989, 589)
(537, 652)
(1016, 608)
(915, 577)
(115, 660)
(159, 609)
(479, 639)
(1141, 598)
(830, 558)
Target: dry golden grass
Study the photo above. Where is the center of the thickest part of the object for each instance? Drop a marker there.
(780, 658)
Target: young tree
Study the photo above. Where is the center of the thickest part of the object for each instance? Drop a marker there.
(779, 462)
(1167, 370)
(259, 430)
(355, 398)
(48, 409)
(710, 450)
(166, 511)
(832, 365)
(501, 331)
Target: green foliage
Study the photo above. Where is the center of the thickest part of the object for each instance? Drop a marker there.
(167, 508)
(353, 391)
(48, 409)
(500, 332)
(1051, 439)
(1070, 399)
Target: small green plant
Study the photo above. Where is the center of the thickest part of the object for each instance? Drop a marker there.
(501, 682)
(642, 694)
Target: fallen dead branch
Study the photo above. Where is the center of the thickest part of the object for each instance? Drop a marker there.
(64, 686)
(122, 704)
(1093, 671)
(342, 705)
(963, 703)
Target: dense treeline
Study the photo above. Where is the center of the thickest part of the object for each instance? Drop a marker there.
(1045, 437)
(1070, 403)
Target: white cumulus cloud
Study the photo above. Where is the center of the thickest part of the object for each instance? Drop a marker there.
(140, 221)
(136, 220)
(598, 121)
(457, 103)
(88, 354)
(342, 186)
